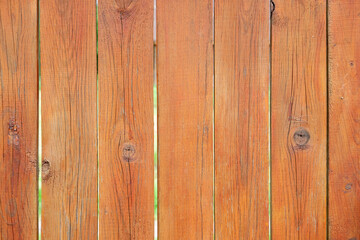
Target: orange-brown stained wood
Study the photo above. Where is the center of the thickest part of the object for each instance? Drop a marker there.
(298, 120)
(185, 96)
(69, 142)
(19, 117)
(344, 119)
(126, 125)
(242, 47)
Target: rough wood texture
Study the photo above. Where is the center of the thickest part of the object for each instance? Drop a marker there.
(19, 117)
(185, 96)
(69, 167)
(298, 120)
(344, 119)
(242, 47)
(126, 125)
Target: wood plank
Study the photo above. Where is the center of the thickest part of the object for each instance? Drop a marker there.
(242, 48)
(344, 119)
(19, 117)
(69, 135)
(126, 126)
(185, 96)
(298, 120)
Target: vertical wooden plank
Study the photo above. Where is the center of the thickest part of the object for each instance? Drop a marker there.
(344, 119)
(19, 117)
(298, 120)
(126, 125)
(242, 48)
(185, 95)
(69, 167)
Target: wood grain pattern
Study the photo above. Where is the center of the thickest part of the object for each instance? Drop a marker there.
(68, 74)
(185, 95)
(242, 48)
(344, 119)
(126, 124)
(19, 115)
(298, 120)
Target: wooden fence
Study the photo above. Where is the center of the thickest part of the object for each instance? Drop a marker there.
(258, 119)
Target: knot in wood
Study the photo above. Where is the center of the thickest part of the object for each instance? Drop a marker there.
(128, 152)
(13, 133)
(12, 126)
(301, 136)
(348, 186)
(125, 9)
(272, 8)
(45, 169)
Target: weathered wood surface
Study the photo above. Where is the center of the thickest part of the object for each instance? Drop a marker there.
(126, 126)
(298, 120)
(344, 119)
(19, 119)
(185, 108)
(242, 49)
(69, 128)
(223, 84)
